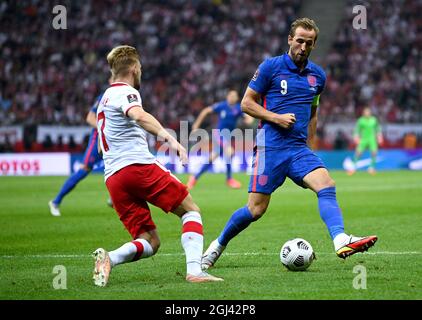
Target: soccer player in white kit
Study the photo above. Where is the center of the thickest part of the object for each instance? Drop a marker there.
(134, 177)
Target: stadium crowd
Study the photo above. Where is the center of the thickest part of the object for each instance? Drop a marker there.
(192, 51)
(379, 67)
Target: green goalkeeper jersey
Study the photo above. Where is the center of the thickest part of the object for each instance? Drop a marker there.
(367, 128)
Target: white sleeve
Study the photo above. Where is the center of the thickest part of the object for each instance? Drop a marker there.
(130, 99)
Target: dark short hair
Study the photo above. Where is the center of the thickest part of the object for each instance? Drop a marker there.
(305, 23)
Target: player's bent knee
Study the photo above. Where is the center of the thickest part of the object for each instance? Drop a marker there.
(257, 210)
(86, 168)
(331, 183)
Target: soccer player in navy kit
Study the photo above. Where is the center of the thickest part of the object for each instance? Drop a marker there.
(91, 157)
(289, 86)
(229, 112)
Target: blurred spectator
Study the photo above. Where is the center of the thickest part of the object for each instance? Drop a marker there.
(191, 50)
(59, 144)
(72, 144)
(380, 67)
(47, 144)
(340, 142)
(6, 145)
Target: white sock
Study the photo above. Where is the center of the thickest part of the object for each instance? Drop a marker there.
(131, 251)
(192, 241)
(340, 240)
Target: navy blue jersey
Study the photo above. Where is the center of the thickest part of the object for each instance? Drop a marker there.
(227, 114)
(94, 108)
(286, 89)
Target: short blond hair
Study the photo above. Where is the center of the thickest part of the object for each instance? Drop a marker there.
(305, 23)
(121, 58)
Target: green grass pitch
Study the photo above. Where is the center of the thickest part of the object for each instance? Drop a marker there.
(32, 242)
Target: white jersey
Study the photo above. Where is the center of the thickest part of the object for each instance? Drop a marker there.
(123, 141)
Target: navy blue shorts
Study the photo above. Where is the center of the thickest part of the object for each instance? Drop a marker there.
(270, 167)
(91, 155)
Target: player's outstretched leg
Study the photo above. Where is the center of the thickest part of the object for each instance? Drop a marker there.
(68, 186)
(239, 221)
(193, 242)
(371, 169)
(344, 245)
(194, 178)
(129, 252)
(231, 182)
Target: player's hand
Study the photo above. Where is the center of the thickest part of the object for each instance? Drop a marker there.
(183, 155)
(356, 140)
(286, 120)
(380, 140)
(180, 150)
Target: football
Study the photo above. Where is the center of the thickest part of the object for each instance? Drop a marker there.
(297, 254)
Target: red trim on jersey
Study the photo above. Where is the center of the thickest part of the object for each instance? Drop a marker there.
(93, 142)
(265, 107)
(131, 108)
(139, 250)
(117, 84)
(255, 171)
(192, 226)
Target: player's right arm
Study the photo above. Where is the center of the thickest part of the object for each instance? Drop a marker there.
(258, 86)
(250, 105)
(150, 124)
(202, 115)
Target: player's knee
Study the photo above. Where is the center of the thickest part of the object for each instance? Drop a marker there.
(257, 209)
(86, 168)
(193, 207)
(155, 245)
(331, 183)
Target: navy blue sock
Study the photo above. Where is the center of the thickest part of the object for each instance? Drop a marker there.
(330, 212)
(239, 221)
(70, 183)
(204, 169)
(229, 171)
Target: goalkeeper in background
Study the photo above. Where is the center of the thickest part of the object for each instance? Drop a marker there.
(367, 135)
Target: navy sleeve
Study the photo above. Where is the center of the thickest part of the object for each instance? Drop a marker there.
(96, 103)
(323, 80)
(261, 80)
(216, 107)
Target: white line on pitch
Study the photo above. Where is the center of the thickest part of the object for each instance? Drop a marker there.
(69, 256)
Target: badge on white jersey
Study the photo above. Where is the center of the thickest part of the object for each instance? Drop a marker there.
(132, 98)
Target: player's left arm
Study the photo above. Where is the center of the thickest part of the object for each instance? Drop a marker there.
(313, 121)
(202, 115)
